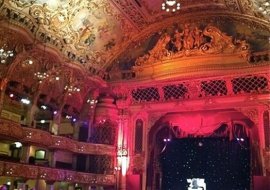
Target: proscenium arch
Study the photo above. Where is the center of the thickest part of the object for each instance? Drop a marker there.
(237, 117)
(211, 17)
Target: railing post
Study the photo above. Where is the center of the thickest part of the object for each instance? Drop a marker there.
(161, 93)
(229, 86)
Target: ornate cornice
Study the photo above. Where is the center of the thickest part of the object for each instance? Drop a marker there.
(35, 136)
(54, 27)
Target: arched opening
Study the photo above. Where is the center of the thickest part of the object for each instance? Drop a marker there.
(215, 124)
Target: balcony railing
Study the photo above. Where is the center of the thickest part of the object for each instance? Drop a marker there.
(51, 174)
(201, 88)
(14, 131)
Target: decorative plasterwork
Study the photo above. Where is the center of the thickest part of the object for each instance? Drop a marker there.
(95, 33)
(197, 18)
(251, 112)
(83, 30)
(51, 174)
(131, 10)
(193, 41)
(30, 135)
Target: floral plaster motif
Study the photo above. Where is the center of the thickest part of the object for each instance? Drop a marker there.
(82, 28)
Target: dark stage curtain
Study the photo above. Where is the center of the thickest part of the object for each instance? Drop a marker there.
(224, 164)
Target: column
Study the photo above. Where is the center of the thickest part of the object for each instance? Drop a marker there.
(53, 158)
(40, 184)
(71, 187)
(92, 101)
(76, 131)
(33, 108)
(122, 143)
(58, 116)
(49, 185)
(74, 161)
(25, 153)
(3, 85)
(260, 124)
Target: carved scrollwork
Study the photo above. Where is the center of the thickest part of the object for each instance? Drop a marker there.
(232, 5)
(42, 14)
(251, 113)
(219, 42)
(1, 3)
(193, 41)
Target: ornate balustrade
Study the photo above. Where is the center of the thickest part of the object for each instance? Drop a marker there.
(201, 88)
(13, 130)
(51, 174)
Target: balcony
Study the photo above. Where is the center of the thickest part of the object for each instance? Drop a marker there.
(13, 130)
(50, 174)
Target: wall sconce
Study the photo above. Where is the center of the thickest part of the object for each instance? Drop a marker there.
(122, 157)
(122, 152)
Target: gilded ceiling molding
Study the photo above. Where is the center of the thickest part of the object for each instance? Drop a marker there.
(132, 12)
(81, 40)
(31, 48)
(83, 31)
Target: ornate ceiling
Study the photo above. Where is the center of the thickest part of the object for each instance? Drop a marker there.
(95, 33)
(78, 43)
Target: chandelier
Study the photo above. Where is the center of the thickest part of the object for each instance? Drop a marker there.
(170, 5)
(5, 54)
(71, 89)
(263, 6)
(41, 76)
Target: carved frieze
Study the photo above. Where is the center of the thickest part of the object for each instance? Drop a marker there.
(193, 41)
(251, 113)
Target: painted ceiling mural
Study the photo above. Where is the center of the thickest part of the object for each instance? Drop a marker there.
(84, 29)
(112, 34)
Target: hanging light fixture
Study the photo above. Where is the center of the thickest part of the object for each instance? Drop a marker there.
(41, 75)
(170, 5)
(5, 54)
(263, 6)
(72, 89)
